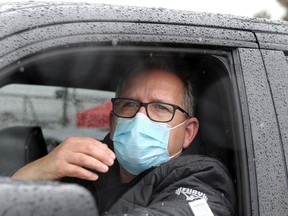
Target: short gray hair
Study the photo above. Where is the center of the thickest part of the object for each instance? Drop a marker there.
(168, 65)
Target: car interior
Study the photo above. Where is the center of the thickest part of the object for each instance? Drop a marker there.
(101, 68)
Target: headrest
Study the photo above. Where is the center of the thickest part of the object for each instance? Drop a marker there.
(19, 146)
(216, 123)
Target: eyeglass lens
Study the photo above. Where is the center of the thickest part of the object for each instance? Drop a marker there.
(156, 111)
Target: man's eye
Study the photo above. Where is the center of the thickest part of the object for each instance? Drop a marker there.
(159, 107)
(131, 104)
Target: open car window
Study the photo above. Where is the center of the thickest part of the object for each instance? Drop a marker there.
(67, 92)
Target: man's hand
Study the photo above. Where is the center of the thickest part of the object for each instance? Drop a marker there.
(70, 159)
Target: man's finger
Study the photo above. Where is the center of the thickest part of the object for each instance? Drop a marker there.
(80, 172)
(84, 160)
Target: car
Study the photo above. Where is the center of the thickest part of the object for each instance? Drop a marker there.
(60, 63)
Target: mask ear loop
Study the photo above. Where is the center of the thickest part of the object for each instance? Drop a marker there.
(172, 128)
(176, 126)
(176, 155)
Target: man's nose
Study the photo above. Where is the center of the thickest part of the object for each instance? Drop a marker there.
(142, 110)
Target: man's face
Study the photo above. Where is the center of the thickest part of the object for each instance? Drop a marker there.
(159, 86)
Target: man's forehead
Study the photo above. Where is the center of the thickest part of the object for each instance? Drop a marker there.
(158, 84)
(156, 74)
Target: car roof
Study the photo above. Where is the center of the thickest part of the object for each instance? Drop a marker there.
(104, 12)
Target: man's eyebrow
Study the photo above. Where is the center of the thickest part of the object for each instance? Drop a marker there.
(155, 100)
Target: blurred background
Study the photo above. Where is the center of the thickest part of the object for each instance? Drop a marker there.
(272, 9)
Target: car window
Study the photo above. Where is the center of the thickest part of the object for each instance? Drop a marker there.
(67, 91)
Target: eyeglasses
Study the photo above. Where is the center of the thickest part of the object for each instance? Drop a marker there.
(156, 111)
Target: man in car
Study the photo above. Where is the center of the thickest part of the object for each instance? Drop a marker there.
(152, 126)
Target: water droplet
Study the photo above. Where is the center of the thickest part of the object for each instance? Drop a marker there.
(114, 42)
(21, 69)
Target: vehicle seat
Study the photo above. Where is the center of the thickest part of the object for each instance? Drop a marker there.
(20, 145)
(215, 123)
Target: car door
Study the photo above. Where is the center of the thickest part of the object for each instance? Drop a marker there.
(266, 157)
(265, 78)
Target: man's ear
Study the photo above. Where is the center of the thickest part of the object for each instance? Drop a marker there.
(111, 124)
(192, 126)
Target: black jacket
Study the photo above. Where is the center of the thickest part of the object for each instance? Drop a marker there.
(167, 189)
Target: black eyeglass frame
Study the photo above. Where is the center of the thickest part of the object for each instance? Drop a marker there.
(175, 107)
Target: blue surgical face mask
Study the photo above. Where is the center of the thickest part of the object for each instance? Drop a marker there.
(140, 143)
